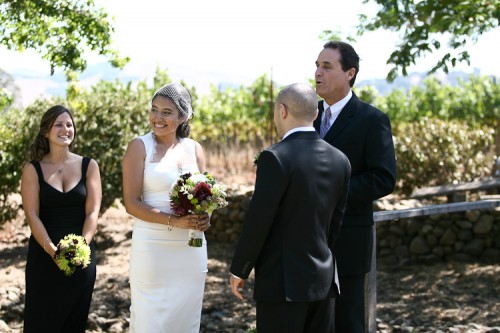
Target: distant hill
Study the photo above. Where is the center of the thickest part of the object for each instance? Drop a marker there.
(32, 85)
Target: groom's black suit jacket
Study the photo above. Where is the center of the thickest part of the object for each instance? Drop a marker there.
(363, 134)
(293, 220)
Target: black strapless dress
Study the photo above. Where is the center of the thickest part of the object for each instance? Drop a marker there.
(54, 302)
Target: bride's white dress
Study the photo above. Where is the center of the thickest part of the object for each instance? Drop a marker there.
(167, 276)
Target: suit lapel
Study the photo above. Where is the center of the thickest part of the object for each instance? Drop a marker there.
(342, 120)
(317, 121)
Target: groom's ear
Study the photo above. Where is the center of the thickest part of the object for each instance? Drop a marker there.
(283, 111)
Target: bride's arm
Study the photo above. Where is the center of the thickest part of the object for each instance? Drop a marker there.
(200, 157)
(133, 175)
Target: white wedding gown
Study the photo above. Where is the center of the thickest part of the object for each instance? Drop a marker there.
(167, 276)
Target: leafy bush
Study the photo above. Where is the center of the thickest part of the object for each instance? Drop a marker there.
(236, 115)
(6, 98)
(436, 152)
(17, 129)
(476, 101)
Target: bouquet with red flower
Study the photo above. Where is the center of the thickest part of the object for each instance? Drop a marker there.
(197, 193)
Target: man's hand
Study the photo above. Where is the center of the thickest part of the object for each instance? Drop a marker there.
(235, 283)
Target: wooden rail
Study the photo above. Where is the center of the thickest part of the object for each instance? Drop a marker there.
(457, 192)
(371, 280)
(434, 209)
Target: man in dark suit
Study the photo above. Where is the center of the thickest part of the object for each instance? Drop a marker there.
(363, 134)
(292, 222)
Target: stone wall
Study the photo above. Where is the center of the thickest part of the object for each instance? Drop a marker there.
(227, 222)
(466, 236)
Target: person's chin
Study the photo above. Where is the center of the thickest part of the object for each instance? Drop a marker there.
(319, 91)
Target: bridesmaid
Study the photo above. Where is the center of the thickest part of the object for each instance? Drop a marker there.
(61, 194)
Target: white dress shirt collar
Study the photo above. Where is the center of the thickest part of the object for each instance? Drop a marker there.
(299, 129)
(337, 107)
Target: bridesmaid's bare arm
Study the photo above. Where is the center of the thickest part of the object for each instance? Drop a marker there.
(93, 201)
(30, 193)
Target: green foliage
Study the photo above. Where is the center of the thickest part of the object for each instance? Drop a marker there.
(8, 90)
(9, 166)
(6, 98)
(335, 35)
(368, 94)
(476, 101)
(433, 144)
(236, 115)
(17, 129)
(422, 22)
(436, 152)
(59, 30)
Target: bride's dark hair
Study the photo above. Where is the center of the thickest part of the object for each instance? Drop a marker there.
(40, 146)
(183, 130)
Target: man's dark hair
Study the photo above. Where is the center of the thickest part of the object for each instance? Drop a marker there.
(348, 57)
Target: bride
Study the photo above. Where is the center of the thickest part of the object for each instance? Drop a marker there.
(167, 276)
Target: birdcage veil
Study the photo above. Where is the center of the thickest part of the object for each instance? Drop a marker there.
(179, 95)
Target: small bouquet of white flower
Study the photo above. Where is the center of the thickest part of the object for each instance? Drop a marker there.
(72, 253)
(197, 193)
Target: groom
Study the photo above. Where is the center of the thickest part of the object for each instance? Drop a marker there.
(292, 222)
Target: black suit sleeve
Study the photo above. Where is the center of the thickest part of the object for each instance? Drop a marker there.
(270, 185)
(338, 212)
(379, 177)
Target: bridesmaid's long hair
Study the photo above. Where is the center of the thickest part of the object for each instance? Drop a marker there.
(40, 146)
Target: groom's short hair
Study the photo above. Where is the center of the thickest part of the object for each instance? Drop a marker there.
(300, 100)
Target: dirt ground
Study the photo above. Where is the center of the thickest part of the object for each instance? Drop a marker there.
(446, 297)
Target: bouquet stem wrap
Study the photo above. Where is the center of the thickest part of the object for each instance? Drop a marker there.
(195, 238)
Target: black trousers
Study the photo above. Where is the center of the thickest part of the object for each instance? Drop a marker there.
(296, 317)
(350, 305)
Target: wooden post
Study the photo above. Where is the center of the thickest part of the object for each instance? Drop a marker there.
(371, 290)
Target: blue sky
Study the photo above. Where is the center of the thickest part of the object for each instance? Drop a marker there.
(230, 42)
